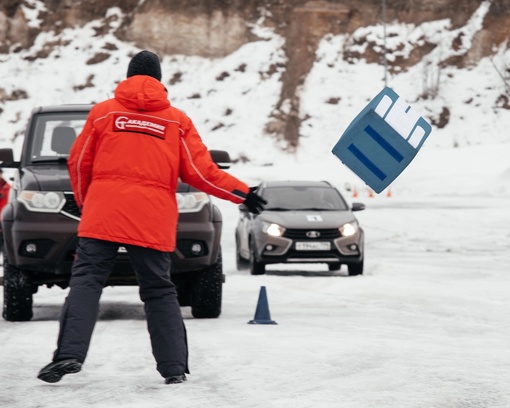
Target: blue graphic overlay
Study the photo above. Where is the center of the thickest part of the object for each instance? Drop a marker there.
(382, 140)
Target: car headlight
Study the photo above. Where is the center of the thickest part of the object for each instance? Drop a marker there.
(272, 229)
(191, 202)
(348, 229)
(42, 201)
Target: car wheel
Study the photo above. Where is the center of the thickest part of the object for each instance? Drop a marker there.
(256, 267)
(207, 291)
(17, 294)
(334, 266)
(355, 269)
(241, 263)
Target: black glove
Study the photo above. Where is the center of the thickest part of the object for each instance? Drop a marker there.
(254, 202)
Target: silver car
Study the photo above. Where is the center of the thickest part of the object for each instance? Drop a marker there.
(303, 222)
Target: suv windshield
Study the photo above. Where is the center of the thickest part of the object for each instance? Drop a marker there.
(54, 135)
(303, 198)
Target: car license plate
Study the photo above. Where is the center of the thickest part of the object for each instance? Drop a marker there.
(313, 246)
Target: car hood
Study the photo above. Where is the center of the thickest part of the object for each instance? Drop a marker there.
(46, 178)
(308, 219)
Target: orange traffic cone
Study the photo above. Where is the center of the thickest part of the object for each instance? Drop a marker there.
(355, 191)
(388, 193)
(370, 193)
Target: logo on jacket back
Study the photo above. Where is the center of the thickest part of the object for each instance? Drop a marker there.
(136, 123)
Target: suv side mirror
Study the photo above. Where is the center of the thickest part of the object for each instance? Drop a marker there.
(221, 158)
(7, 158)
(358, 207)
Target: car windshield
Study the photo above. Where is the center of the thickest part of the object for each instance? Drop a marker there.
(292, 198)
(54, 135)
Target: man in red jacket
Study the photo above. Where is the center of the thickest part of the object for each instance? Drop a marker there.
(124, 170)
(4, 198)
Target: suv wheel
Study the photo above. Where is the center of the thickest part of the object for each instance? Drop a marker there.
(355, 269)
(206, 302)
(256, 267)
(17, 294)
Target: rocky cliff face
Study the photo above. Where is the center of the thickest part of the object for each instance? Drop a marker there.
(217, 28)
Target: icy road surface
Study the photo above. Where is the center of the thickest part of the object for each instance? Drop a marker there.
(426, 326)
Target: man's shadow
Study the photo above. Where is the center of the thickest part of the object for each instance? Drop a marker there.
(108, 310)
(304, 270)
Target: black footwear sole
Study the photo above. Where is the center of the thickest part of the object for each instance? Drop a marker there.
(175, 379)
(54, 372)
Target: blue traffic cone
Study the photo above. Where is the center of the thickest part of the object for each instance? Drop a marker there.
(262, 315)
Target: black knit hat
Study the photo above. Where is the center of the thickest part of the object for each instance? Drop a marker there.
(145, 63)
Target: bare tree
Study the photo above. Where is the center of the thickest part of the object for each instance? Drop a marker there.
(431, 79)
(506, 81)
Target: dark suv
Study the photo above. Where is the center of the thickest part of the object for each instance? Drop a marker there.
(40, 221)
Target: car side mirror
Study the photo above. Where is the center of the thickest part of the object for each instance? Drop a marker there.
(221, 158)
(7, 158)
(358, 207)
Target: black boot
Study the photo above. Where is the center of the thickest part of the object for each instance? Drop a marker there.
(175, 379)
(54, 372)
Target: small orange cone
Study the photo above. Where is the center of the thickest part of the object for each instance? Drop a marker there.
(355, 191)
(388, 193)
(370, 193)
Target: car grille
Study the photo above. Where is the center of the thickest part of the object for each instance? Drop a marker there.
(70, 207)
(292, 253)
(301, 233)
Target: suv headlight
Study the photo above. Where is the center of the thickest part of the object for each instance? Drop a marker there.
(348, 229)
(272, 229)
(42, 201)
(191, 202)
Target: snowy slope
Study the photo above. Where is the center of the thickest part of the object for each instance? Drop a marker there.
(231, 99)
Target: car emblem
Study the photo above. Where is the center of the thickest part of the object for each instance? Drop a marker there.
(313, 234)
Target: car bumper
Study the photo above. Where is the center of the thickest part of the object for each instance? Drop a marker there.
(344, 250)
(45, 244)
(193, 248)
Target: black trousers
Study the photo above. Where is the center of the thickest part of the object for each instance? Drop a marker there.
(91, 269)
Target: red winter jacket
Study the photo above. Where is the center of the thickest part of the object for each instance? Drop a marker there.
(126, 163)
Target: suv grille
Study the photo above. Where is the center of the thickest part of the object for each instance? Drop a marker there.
(70, 207)
(301, 233)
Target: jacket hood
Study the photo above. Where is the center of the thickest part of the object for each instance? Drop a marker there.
(142, 92)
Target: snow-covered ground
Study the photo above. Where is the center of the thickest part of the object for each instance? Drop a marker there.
(427, 324)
